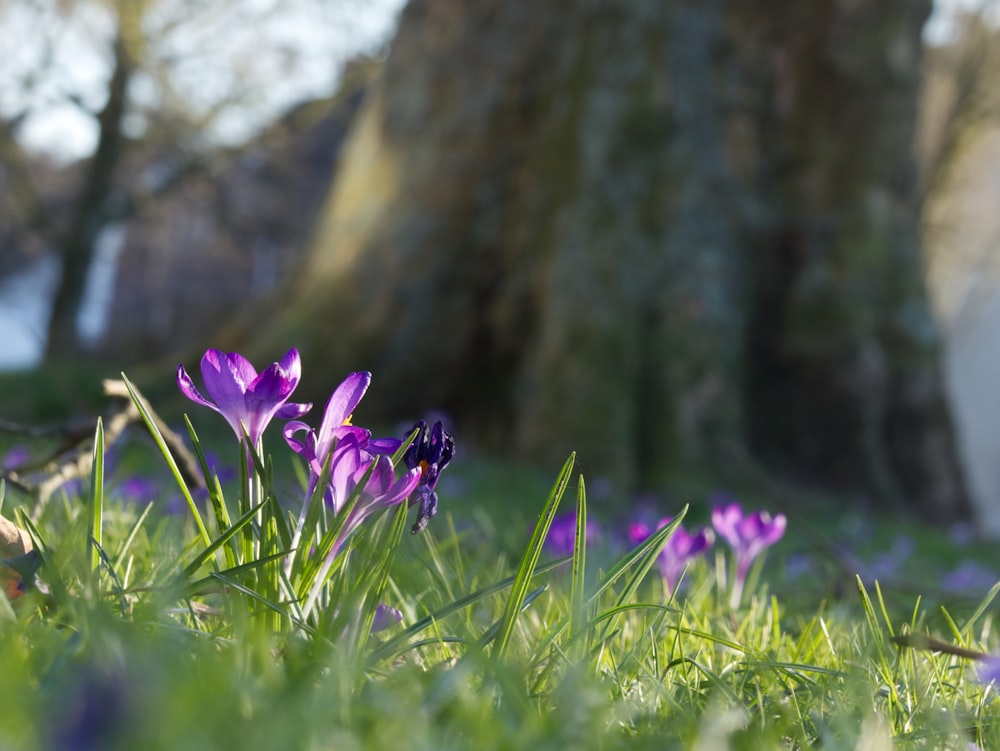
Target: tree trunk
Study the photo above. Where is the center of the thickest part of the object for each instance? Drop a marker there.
(90, 209)
(676, 237)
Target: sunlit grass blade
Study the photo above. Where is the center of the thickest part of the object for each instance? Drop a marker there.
(95, 503)
(320, 566)
(255, 596)
(492, 631)
(641, 566)
(218, 542)
(171, 462)
(642, 556)
(577, 613)
(130, 537)
(530, 559)
(199, 585)
(55, 583)
(392, 646)
(212, 485)
(384, 555)
(982, 607)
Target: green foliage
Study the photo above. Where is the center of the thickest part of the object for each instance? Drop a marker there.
(214, 631)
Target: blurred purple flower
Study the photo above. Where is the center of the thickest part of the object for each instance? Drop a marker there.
(16, 457)
(969, 576)
(385, 617)
(748, 535)
(681, 548)
(561, 539)
(430, 451)
(989, 669)
(138, 489)
(241, 395)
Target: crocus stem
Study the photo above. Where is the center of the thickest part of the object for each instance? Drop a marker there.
(736, 593)
(300, 524)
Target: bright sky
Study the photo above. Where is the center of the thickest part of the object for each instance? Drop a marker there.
(235, 45)
(270, 53)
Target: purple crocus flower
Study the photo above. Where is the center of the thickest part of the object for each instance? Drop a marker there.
(243, 396)
(349, 464)
(989, 669)
(16, 457)
(681, 548)
(748, 536)
(386, 617)
(430, 451)
(562, 534)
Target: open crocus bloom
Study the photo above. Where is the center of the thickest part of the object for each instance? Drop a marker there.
(681, 548)
(315, 446)
(241, 395)
(747, 535)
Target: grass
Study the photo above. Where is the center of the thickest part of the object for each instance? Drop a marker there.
(148, 631)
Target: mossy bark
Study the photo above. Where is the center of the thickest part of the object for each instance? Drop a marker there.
(675, 237)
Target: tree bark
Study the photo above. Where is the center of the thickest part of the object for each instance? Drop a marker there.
(679, 238)
(90, 210)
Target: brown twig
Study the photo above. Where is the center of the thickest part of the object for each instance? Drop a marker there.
(73, 457)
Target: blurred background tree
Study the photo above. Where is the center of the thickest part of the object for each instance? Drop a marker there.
(679, 238)
(683, 239)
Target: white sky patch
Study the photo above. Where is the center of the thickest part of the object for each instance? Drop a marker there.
(238, 64)
(941, 28)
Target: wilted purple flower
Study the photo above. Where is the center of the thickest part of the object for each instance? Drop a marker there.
(241, 395)
(681, 548)
(385, 617)
(562, 534)
(747, 535)
(430, 451)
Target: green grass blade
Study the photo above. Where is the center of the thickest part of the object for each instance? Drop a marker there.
(642, 564)
(171, 462)
(218, 542)
(95, 507)
(642, 555)
(130, 538)
(492, 631)
(578, 581)
(393, 646)
(529, 561)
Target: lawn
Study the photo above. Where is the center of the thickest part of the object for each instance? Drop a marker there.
(161, 616)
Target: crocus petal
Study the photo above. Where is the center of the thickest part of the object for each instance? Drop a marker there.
(293, 410)
(385, 617)
(187, 387)
(387, 446)
(341, 404)
(306, 447)
(226, 378)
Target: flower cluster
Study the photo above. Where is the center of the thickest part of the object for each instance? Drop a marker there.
(339, 454)
(746, 534)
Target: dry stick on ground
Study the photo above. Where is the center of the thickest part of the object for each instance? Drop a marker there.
(73, 457)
